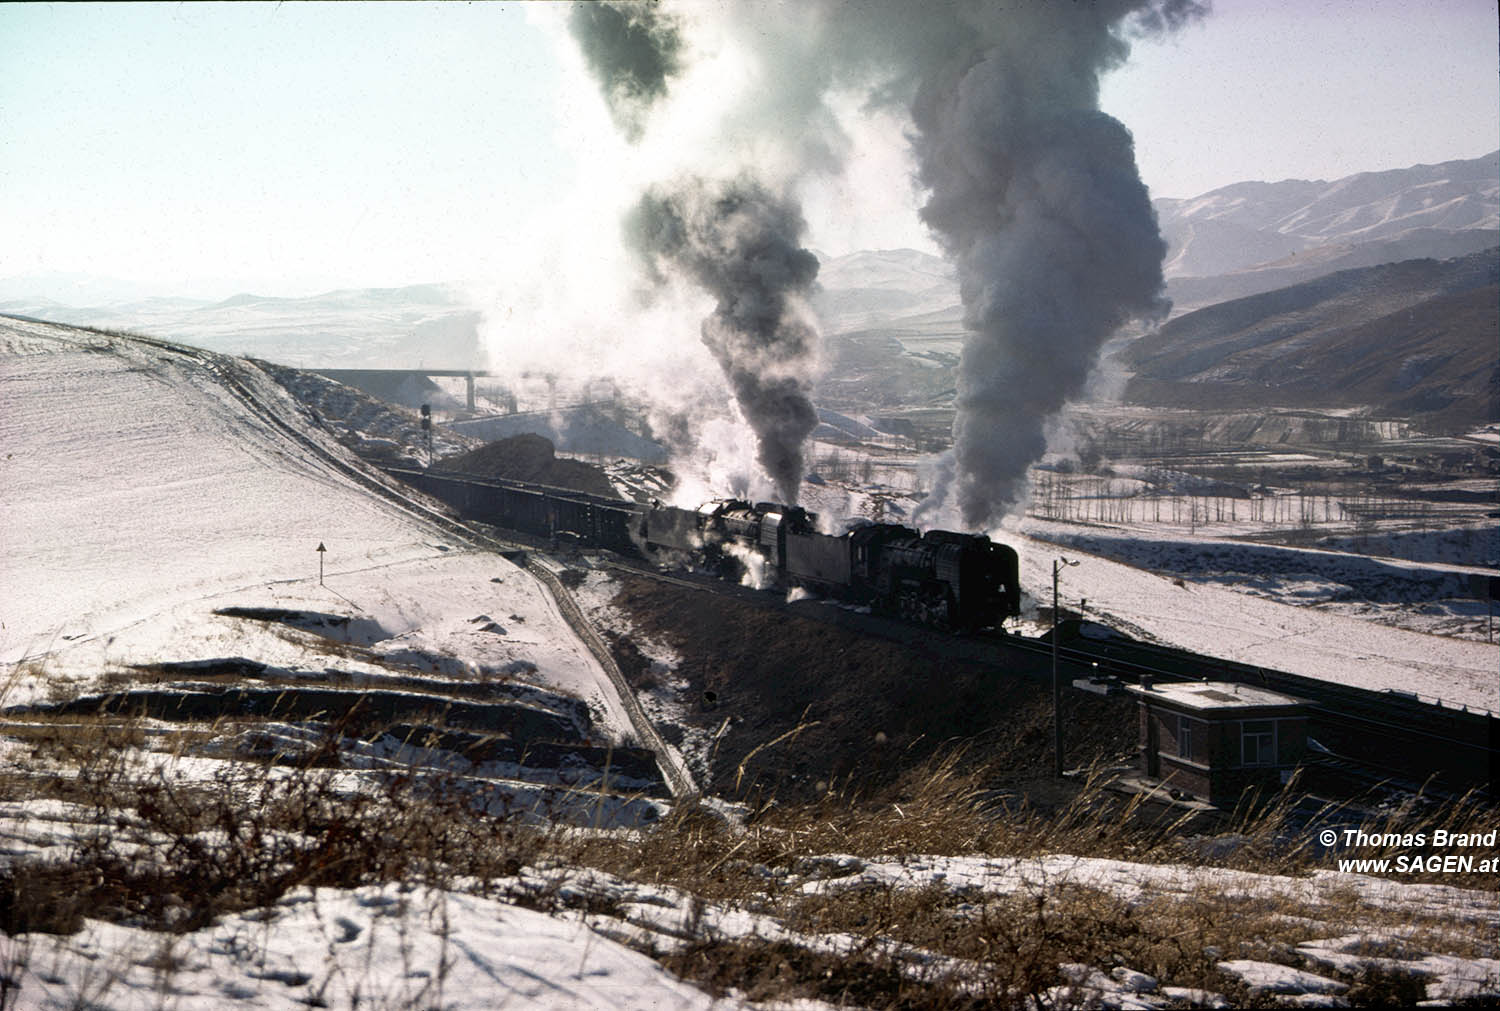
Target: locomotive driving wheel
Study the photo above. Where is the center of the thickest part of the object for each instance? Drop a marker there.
(928, 605)
(936, 611)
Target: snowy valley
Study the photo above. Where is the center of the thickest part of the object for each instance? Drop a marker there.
(326, 745)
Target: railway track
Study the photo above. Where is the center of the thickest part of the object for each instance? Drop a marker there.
(1383, 731)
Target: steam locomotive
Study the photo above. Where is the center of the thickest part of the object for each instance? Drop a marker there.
(949, 580)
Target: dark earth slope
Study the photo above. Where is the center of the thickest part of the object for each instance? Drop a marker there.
(870, 708)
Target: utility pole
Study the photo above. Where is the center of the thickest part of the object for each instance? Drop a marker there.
(321, 551)
(427, 428)
(1057, 732)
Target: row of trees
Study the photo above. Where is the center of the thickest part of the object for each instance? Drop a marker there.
(1102, 500)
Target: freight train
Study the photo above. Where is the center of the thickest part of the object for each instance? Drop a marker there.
(963, 582)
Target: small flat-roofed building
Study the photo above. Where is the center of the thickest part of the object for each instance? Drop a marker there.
(1216, 739)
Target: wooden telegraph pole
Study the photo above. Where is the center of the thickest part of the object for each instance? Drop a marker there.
(1057, 731)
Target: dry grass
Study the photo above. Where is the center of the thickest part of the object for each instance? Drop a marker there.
(152, 850)
(765, 971)
(1011, 944)
(175, 856)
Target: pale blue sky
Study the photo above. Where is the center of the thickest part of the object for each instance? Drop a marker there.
(287, 149)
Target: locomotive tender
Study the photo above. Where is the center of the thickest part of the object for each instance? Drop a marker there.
(950, 580)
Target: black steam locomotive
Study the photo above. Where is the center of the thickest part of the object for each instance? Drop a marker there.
(949, 580)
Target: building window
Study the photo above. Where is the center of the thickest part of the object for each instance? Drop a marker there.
(1258, 742)
(1184, 737)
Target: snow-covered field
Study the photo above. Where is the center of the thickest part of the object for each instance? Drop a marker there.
(374, 947)
(1433, 595)
(1202, 613)
(387, 946)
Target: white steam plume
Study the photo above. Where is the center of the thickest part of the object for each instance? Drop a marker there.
(735, 238)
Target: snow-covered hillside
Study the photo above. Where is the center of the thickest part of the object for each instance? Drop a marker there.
(150, 485)
(867, 287)
(1256, 222)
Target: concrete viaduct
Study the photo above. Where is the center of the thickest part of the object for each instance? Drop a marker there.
(363, 378)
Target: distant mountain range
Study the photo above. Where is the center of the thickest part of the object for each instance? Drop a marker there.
(1415, 339)
(1378, 290)
(1251, 223)
(876, 285)
(424, 324)
(1252, 237)
(1235, 241)
(1188, 293)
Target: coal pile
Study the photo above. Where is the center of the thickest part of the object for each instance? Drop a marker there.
(533, 459)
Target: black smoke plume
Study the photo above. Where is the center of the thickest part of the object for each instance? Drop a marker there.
(633, 50)
(1033, 192)
(742, 244)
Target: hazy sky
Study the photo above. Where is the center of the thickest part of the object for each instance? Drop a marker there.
(288, 149)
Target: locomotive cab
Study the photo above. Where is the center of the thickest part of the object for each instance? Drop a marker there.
(983, 576)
